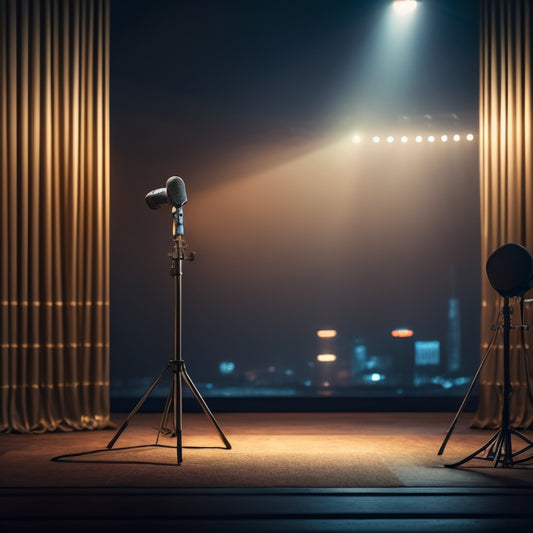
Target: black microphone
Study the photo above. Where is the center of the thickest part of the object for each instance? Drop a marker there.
(156, 198)
(174, 193)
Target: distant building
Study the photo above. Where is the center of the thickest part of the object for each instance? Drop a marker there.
(359, 357)
(427, 362)
(453, 344)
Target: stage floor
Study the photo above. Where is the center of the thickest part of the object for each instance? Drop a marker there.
(284, 471)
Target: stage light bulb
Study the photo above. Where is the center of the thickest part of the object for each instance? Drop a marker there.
(431, 139)
(404, 139)
(456, 137)
(469, 137)
(418, 138)
(375, 139)
(390, 139)
(444, 138)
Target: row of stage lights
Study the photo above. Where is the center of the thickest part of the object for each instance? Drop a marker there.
(404, 139)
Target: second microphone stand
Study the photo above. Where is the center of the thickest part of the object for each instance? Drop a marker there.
(174, 402)
(498, 449)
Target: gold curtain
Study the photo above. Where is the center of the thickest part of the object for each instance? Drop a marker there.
(506, 181)
(54, 220)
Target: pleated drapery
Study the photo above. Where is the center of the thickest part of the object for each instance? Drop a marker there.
(506, 183)
(54, 164)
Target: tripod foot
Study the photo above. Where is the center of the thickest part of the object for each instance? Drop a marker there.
(500, 452)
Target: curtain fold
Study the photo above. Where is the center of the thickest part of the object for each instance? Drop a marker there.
(54, 164)
(506, 184)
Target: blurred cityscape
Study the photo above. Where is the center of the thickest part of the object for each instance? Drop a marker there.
(412, 367)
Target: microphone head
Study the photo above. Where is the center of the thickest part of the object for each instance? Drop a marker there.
(510, 270)
(176, 191)
(156, 198)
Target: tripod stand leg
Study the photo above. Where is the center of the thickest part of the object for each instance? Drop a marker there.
(164, 418)
(476, 453)
(204, 407)
(507, 460)
(501, 450)
(495, 451)
(174, 401)
(178, 414)
(136, 408)
(465, 399)
(526, 448)
(524, 438)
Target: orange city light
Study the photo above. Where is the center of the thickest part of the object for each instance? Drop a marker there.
(326, 357)
(326, 333)
(402, 333)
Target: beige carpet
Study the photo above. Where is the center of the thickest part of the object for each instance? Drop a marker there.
(270, 461)
(305, 450)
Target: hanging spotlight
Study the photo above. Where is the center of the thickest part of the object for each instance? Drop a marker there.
(404, 7)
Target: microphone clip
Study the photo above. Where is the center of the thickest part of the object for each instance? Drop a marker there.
(177, 225)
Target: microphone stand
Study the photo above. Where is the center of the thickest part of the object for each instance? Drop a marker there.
(174, 400)
(500, 452)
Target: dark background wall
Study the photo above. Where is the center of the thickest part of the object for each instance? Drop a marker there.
(254, 105)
